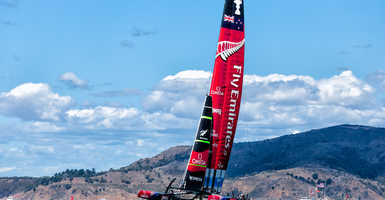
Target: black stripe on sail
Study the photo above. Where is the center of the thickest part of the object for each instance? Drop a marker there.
(194, 180)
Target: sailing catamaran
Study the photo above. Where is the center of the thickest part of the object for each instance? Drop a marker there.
(216, 130)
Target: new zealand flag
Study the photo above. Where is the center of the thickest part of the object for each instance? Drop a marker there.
(233, 16)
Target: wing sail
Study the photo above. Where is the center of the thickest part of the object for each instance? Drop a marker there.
(226, 90)
(199, 158)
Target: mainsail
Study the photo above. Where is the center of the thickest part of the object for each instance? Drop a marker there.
(226, 91)
(199, 158)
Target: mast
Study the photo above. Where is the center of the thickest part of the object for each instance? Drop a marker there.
(226, 91)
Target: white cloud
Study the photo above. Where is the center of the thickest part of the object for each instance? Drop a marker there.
(295, 131)
(33, 101)
(188, 75)
(73, 81)
(39, 126)
(377, 79)
(84, 146)
(120, 118)
(181, 94)
(6, 169)
(285, 89)
(44, 149)
(303, 102)
(287, 102)
(104, 117)
(345, 90)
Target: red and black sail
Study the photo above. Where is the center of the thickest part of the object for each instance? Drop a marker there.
(226, 90)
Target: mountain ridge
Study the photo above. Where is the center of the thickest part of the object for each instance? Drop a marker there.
(338, 147)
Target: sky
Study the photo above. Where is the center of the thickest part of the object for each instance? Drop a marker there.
(100, 84)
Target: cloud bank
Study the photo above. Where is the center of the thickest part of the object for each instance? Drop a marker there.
(46, 129)
(277, 100)
(274, 101)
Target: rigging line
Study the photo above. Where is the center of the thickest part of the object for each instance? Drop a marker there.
(211, 71)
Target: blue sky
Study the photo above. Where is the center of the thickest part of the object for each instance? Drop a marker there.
(101, 84)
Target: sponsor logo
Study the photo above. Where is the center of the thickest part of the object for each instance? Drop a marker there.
(218, 91)
(203, 132)
(226, 49)
(238, 4)
(228, 18)
(193, 178)
(199, 161)
(217, 111)
(234, 104)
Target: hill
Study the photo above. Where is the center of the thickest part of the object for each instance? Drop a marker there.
(349, 159)
(359, 150)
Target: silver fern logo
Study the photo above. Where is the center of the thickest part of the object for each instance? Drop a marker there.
(226, 48)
